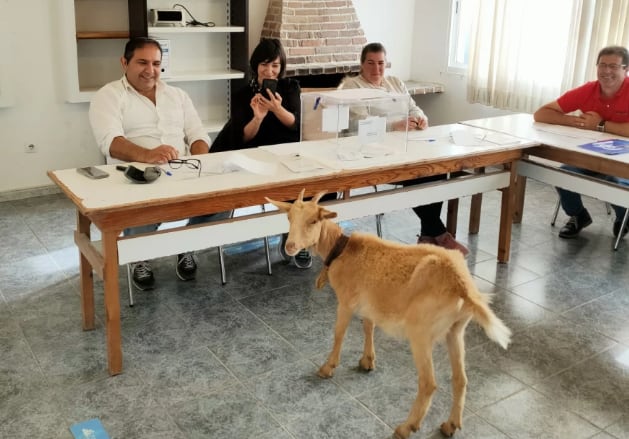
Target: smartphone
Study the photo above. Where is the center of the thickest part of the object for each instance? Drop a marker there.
(270, 84)
(92, 172)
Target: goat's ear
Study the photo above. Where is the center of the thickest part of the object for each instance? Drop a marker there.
(318, 196)
(326, 214)
(281, 205)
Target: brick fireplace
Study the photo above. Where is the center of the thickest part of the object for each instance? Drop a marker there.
(322, 38)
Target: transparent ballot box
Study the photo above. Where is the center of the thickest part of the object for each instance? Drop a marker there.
(363, 122)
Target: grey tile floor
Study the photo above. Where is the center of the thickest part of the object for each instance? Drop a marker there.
(203, 360)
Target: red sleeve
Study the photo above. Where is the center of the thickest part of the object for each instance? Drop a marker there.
(576, 98)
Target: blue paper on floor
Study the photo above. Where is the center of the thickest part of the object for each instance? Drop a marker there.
(90, 429)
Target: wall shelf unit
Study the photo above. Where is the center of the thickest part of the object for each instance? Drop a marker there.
(209, 63)
(192, 29)
(103, 35)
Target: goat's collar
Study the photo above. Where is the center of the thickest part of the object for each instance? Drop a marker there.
(336, 251)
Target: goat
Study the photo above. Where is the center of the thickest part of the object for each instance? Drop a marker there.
(421, 292)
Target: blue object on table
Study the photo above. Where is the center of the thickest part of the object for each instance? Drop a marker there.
(609, 147)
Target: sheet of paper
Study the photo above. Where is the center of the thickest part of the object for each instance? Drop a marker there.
(465, 138)
(500, 139)
(299, 163)
(568, 131)
(372, 130)
(376, 150)
(335, 118)
(237, 161)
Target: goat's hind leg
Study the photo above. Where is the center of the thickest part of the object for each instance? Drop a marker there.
(422, 354)
(368, 360)
(343, 317)
(456, 351)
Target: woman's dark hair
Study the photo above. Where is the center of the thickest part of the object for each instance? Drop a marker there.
(371, 48)
(138, 43)
(614, 50)
(266, 51)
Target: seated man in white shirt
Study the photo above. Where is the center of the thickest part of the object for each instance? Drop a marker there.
(141, 119)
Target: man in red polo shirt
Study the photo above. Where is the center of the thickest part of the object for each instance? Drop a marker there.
(602, 105)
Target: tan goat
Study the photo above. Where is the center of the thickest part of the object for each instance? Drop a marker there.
(420, 292)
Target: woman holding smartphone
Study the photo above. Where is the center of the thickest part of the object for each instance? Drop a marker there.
(267, 110)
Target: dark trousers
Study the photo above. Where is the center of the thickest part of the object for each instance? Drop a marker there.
(429, 214)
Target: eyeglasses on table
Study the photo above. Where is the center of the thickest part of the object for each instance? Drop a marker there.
(188, 163)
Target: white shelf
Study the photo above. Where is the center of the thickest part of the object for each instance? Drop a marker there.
(169, 30)
(203, 76)
(422, 87)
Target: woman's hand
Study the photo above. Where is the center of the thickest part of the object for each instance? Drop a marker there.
(259, 109)
(411, 123)
(272, 101)
(417, 123)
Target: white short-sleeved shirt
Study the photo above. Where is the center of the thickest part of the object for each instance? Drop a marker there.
(117, 109)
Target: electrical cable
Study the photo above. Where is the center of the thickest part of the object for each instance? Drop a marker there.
(194, 21)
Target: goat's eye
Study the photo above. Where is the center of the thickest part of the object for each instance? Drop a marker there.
(313, 222)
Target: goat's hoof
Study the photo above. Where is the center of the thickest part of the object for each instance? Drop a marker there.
(449, 428)
(367, 364)
(403, 431)
(326, 371)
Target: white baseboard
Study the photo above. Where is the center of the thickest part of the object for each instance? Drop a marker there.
(20, 194)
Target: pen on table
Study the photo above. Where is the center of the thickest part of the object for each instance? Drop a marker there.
(166, 171)
(316, 104)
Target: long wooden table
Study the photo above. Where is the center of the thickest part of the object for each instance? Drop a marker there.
(113, 204)
(560, 144)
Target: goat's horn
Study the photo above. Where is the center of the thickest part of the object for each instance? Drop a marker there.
(318, 196)
(301, 195)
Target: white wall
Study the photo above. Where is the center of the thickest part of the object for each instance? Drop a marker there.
(429, 61)
(415, 33)
(38, 113)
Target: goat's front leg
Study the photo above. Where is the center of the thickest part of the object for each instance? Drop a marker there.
(422, 354)
(368, 360)
(456, 351)
(343, 317)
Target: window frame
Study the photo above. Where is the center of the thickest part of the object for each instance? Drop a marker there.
(455, 30)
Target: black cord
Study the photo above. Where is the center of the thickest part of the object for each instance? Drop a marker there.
(194, 21)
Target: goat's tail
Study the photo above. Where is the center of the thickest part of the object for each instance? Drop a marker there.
(478, 302)
(495, 329)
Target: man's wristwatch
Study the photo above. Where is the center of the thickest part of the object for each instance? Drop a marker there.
(601, 126)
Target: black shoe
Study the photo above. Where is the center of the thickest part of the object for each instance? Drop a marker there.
(303, 259)
(282, 248)
(143, 278)
(575, 224)
(617, 225)
(186, 267)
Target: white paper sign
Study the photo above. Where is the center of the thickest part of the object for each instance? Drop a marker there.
(372, 130)
(335, 118)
